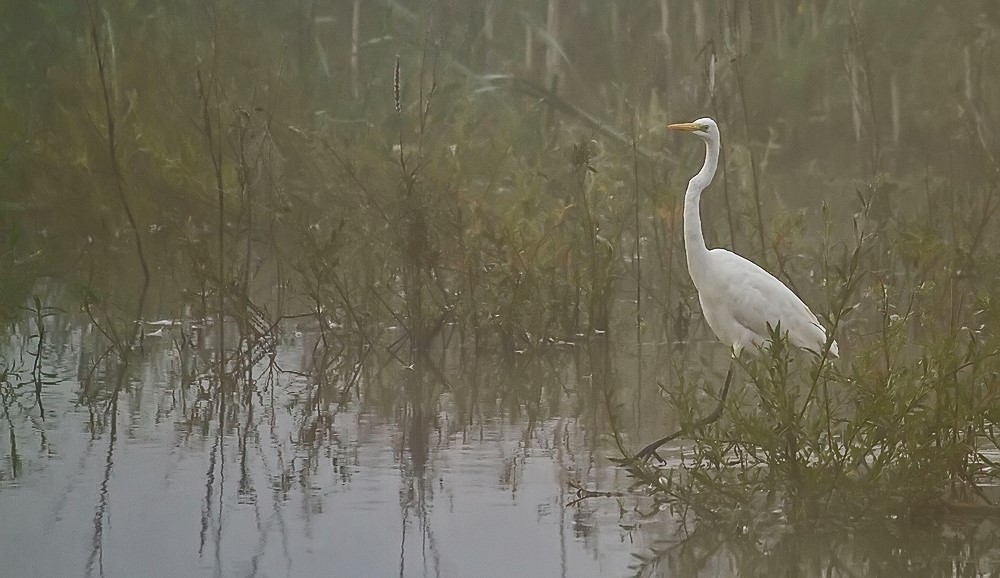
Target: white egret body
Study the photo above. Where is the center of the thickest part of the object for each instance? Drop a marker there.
(738, 298)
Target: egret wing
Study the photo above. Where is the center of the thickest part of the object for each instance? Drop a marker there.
(758, 299)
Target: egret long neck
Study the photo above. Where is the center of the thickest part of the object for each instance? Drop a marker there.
(694, 239)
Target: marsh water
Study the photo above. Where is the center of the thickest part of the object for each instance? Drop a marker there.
(136, 472)
(285, 489)
(290, 486)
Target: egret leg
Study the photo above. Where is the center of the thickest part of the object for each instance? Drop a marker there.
(650, 450)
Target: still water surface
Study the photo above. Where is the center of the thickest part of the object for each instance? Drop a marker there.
(473, 481)
(285, 491)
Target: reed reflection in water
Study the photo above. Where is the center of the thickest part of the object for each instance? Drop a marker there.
(294, 486)
(454, 469)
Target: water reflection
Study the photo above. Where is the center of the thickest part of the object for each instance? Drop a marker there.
(913, 548)
(444, 468)
(137, 470)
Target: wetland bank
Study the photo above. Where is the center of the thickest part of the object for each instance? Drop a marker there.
(370, 288)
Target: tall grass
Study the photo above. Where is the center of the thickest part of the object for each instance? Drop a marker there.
(902, 425)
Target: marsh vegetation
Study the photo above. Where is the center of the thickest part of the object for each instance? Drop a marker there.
(305, 270)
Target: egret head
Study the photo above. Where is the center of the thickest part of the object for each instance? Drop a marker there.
(703, 127)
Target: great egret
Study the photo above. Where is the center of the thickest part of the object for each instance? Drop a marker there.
(738, 298)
